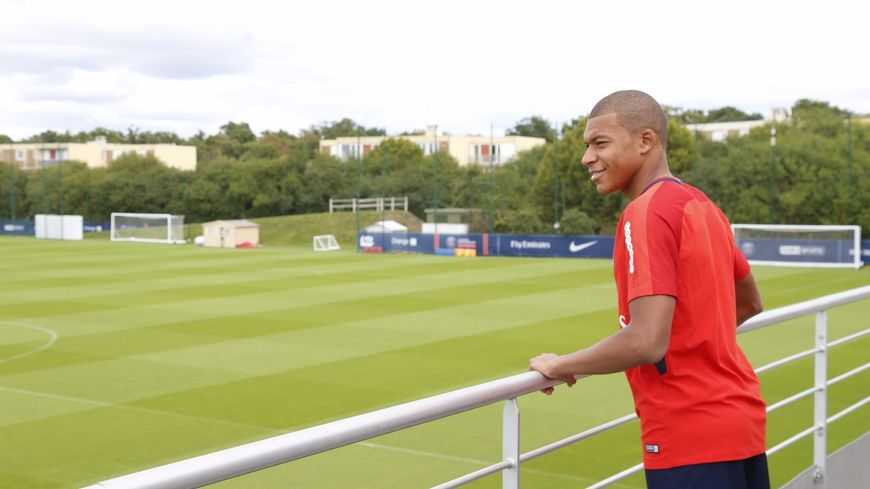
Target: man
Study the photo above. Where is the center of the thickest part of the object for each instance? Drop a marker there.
(683, 288)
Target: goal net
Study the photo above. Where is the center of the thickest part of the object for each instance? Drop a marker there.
(326, 242)
(800, 246)
(147, 228)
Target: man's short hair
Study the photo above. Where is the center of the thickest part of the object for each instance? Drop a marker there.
(638, 111)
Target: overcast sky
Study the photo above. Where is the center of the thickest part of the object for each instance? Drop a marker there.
(184, 66)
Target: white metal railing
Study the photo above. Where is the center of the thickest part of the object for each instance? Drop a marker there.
(243, 459)
(379, 204)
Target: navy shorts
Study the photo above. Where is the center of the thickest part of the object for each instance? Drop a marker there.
(750, 473)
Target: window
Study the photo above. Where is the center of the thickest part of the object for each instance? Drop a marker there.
(19, 155)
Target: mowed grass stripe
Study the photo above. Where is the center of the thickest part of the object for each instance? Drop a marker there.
(201, 333)
(158, 278)
(277, 353)
(183, 334)
(149, 315)
(160, 288)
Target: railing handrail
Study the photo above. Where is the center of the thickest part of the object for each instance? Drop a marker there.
(243, 459)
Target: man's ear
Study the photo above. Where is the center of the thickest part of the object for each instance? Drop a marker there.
(648, 140)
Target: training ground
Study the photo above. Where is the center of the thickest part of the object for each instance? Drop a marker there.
(115, 357)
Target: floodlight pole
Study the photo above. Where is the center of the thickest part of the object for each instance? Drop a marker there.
(13, 188)
(854, 183)
(772, 190)
(358, 188)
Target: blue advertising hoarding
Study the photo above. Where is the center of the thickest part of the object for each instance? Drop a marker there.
(592, 246)
(491, 244)
(17, 227)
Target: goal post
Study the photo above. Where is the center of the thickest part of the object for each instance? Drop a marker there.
(147, 228)
(326, 242)
(788, 245)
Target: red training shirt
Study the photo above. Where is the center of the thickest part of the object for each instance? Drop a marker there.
(703, 403)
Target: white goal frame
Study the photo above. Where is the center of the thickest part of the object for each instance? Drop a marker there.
(856, 238)
(325, 242)
(171, 237)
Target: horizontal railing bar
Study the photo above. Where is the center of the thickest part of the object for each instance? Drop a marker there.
(473, 476)
(844, 376)
(232, 462)
(786, 360)
(617, 477)
(804, 308)
(793, 439)
(849, 410)
(851, 337)
(531, 454)
(788, 400)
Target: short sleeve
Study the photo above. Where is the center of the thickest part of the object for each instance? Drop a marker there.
(651, 239)
(741, 265)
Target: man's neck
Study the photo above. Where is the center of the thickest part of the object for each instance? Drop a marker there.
(646, 175)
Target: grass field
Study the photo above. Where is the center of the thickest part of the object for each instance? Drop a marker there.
(117, 357)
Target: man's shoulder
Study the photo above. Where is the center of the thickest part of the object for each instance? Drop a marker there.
(666, 199)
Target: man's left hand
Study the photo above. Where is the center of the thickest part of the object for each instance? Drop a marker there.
(545, 363)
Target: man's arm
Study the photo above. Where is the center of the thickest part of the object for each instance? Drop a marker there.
(644, 341)
(747, 298)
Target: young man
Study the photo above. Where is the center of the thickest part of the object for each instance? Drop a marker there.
(683, 288)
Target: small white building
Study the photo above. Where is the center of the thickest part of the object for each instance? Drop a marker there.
(237, 233)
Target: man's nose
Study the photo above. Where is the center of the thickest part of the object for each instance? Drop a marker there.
(589, 157)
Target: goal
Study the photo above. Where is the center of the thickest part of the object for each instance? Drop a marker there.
(147, 228)
(326, 242)
(800, 245)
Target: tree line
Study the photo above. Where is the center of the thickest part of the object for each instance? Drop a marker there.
(817, 173)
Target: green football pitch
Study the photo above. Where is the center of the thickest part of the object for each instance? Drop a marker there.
(119, 357)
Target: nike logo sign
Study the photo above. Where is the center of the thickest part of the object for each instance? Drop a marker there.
(576, 248)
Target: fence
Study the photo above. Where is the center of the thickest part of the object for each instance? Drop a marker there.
(379, 204)
(233, 462)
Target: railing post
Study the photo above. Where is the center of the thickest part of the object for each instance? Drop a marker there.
(330, 205)
(820, 408)
(510, 444)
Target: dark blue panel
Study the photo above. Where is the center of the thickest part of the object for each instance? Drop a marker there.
(17, 227)
(551, 246)
(799, 250)
(499, 244)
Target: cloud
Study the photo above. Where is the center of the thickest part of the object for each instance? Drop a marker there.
(157, 51)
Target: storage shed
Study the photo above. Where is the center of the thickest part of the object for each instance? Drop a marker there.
(231, 234)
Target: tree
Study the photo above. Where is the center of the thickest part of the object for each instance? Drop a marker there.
(575, 221)
(239, 132)
(345, 128)
(4, 139)
(534, 126)
(730, 114)
(524, 220)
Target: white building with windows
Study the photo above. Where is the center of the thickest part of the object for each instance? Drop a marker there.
(720, 131)
(466, 149)
(98, 153)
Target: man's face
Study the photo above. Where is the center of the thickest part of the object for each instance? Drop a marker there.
(612, 155)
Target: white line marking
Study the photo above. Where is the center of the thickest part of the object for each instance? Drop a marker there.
(440, 456)
(52, 338)
(474, 461)
(105, 404)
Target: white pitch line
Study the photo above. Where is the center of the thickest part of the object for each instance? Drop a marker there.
(421, 453)
(52, 338)
(107, 404)
(474, 461)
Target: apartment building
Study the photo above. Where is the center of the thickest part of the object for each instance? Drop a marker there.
(466, 149)
(96, 154)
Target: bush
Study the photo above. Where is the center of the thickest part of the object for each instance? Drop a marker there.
(575, 221)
